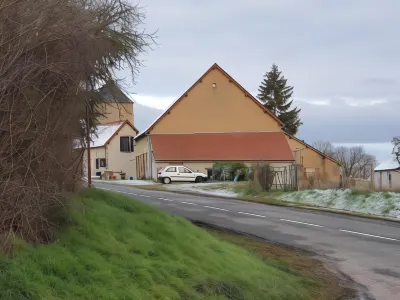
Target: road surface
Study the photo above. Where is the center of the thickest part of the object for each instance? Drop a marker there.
(367, 250)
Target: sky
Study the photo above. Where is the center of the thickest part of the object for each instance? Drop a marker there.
(342, 57)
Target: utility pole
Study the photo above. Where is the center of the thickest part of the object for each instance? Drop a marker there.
(89, 166)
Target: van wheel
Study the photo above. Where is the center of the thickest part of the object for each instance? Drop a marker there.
(199, 179)
(167, 180)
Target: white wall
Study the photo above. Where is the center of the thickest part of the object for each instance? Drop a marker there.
(121, 161)
(117, 161)
(94, 154)
(381, 180)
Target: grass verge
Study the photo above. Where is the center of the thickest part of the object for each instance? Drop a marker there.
(267, 198)
(328, 284)
(118, 248)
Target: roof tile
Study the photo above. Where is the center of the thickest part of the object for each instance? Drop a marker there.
(236, 146)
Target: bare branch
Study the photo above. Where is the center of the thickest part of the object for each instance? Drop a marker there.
(54, 54)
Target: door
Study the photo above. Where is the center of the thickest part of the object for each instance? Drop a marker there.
(185, 174)
(172, 173)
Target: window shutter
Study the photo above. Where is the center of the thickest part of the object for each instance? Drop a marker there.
(97, 163)
(102, 162)
(121, 144)
(132, 140)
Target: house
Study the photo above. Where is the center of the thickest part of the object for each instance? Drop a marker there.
(112, 149)
(116, 104)
(322, 168)
(216, 119)
(112, 146)
(387, 175)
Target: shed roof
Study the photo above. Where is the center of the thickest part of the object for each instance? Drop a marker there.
(232, 146)
(388, 165)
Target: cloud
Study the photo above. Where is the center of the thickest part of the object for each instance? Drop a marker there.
(153, 101)
(381, 151)
(323, 102)
(342, 123)
(362, 102)
(340, 56)
(379, 81)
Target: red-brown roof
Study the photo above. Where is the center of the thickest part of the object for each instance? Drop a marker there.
(237, 146)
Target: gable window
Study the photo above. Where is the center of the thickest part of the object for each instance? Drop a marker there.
(100, 163)
(127, 143)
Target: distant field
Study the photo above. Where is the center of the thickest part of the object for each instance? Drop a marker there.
(117, 248)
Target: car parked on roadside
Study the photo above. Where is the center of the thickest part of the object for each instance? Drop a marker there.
(180, 173)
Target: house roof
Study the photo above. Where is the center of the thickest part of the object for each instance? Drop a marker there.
(312, 148)
(111, 92)
(388, 165)
(213, 67)
(106, 132)
(233, 146)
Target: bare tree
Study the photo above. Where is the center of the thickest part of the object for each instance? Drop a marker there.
(365, 166)
(325, 147)
(396, 147)
(53, 56)
(355, 161)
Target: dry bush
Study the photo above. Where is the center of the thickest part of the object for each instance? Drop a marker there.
(264, 176)
(53, 56)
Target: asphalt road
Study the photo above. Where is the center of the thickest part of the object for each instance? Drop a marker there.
(367, 250)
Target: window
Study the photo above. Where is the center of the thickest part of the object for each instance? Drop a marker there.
(181, 169)
(185, 170)
(100, 163)
(127, 143)
(171, 169)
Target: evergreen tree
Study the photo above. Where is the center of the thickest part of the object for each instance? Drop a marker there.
(276, 96)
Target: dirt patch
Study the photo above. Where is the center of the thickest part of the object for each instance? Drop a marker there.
(323, 279)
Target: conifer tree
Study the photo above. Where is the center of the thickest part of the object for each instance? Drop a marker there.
(276, 96)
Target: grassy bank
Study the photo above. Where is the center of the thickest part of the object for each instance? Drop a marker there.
(329, 286)
(378, 205)
(117, 248)
(384, 204)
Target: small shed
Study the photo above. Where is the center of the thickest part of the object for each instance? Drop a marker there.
(387, 176)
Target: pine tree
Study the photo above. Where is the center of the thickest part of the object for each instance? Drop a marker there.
(276, 96)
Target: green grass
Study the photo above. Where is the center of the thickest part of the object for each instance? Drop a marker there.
(366, 194)
(330, 286)
(117, 248)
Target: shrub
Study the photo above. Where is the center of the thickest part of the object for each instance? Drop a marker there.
(54, 54)
(264, 175)
(232, 168)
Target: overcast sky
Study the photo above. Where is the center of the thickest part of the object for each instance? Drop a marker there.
(342, 57)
